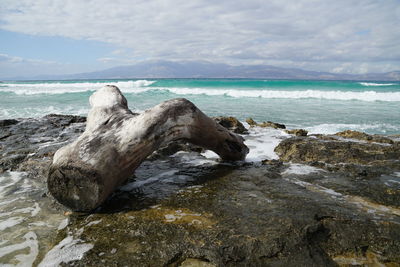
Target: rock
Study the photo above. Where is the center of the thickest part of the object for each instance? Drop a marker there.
(8, 122)
(172, 148)
(34, 139)
(271, 162)
(270, 124)
(274, 166)
(334, 151)
(365, 137)
(116, 141)
(361, 164)
(172, 212)
(297, 132)
(232, 124)
(242, 218)
(64, 120)
(251, 122)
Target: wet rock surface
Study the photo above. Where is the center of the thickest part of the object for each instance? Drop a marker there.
(297, 132)
(365, 137)
(318, 205)
(25, 141)
(265, 124)
(369, 168)
(238, 216)
(326, 151)
(232, 124)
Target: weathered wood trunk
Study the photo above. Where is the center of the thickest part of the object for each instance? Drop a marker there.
(116, 141)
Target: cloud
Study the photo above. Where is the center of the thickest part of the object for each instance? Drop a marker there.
(18, 67)
(4, 58)
(336, 35)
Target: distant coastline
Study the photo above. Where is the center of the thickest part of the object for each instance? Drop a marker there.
(208, 70)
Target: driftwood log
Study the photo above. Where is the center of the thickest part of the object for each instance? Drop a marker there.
(116, 141)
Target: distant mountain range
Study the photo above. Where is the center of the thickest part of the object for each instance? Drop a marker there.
(202, 69)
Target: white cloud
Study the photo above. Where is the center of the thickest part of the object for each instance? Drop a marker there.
(18, 67)
(4, 58)
(348, 35)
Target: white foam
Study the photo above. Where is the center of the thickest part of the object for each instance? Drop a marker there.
(327, 128)
(39, 111)
(376, 84)
(75, 87)
(93, 223)
(20, 214)
(6, 202)
(262, 142)
(210, 154)
(69, 249)
(300, 169)
(10, 222)
(298, 94)
(196, 159)
(23, 259)
(32, 210)
(8, 179)
(330, 191)
(62, 224)
(313, 187)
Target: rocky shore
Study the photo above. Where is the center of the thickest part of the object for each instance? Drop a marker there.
(328, 200)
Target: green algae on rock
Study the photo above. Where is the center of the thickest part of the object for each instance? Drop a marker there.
(297, 132)
(232, 124)
(365, 137)
(366, 166)
(265, 124)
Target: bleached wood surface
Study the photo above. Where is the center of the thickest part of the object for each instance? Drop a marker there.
(116, 141)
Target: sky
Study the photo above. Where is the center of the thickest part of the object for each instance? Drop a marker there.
(74, 36)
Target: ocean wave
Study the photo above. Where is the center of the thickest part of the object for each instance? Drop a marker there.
(376, 84)
(76, 87)
(298, 94)
(39, 111)
(142, 86)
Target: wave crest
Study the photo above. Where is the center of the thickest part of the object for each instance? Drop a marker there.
(333, 128)
(62, 88)
(376, 84)
(298, 94)
(143, 86)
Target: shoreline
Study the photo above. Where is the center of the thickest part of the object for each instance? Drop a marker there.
(327, 199)
(320, 107)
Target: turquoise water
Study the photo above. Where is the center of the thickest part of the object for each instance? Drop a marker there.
(319, 106)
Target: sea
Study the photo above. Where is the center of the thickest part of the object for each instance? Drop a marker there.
(318, 106)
